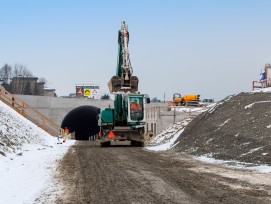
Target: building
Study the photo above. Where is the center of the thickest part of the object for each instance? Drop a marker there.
(28, 86)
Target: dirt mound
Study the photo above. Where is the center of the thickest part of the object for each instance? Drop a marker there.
(237, 128)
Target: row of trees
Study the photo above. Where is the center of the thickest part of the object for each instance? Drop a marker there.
(7, 72)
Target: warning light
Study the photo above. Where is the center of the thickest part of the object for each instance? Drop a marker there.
(111, 134)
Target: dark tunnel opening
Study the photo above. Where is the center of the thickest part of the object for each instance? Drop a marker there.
(83, 121)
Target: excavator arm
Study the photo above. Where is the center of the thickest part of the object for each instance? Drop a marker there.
(123, 81)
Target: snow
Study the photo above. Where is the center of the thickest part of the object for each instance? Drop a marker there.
(266, 90)
(166, 139)
(252, 150)
(30, 157)
(225, 122)
(236, 164)
(213, 107)
(168, 145)
(189, 110)
(250, 105)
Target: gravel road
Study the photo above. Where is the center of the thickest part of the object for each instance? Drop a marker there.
(91, 174)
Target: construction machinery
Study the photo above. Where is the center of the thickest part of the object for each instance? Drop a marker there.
(206, 102)
(179, 100)
(126, 121)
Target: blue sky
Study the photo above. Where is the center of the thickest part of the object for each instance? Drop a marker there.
(212, 48)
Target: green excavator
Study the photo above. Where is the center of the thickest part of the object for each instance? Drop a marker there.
(126, 121)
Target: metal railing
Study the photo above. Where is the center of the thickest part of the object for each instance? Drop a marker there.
(158, 111)
(28, 112)
(261, 84)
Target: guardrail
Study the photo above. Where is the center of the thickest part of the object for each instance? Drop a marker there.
(258, 85)
(158, 111)
(28, 112)
(261, 84)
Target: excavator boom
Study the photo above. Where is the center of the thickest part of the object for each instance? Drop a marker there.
(123, 81)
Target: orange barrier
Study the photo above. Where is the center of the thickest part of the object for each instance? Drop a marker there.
(28, 112)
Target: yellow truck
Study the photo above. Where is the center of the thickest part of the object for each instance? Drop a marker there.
(179, 100)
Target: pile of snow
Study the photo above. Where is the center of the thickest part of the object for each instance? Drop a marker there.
(165, 139)
(28, 157)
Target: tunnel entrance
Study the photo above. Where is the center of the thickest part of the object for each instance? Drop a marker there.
(83, 121)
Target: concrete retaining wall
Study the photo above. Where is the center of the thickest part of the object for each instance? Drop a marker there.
(56, 108)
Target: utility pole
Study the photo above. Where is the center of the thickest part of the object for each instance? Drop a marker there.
(174, 114)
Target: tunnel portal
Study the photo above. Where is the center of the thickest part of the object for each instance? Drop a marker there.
(83, 121)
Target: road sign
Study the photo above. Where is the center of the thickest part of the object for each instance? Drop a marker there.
(94, 92)
(87, 92)
(79, 91)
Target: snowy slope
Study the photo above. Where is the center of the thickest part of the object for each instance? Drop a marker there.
(15, 130)
(166, 138)
(28, 157)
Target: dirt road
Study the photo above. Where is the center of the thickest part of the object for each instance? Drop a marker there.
(90, 174)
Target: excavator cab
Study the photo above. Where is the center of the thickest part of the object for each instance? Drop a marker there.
(177, 99)
(136, 108)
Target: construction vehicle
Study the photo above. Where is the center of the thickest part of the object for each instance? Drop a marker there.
(178, 100)
(126, 121)
(206, 102)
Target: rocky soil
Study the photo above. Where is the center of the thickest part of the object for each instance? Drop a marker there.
(237, 128)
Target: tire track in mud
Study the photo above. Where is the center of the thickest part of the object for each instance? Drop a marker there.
(91, 174)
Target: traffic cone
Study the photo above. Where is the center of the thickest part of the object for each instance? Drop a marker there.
(111, 134)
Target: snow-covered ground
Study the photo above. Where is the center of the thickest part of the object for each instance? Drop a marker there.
(28, 157)
(185, 109)
(165, 139)
(236, 164)
(266, 90)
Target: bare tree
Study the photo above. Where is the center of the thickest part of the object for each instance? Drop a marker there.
(5, 73)
(42, 79)
(21, 70)
(105, 96)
